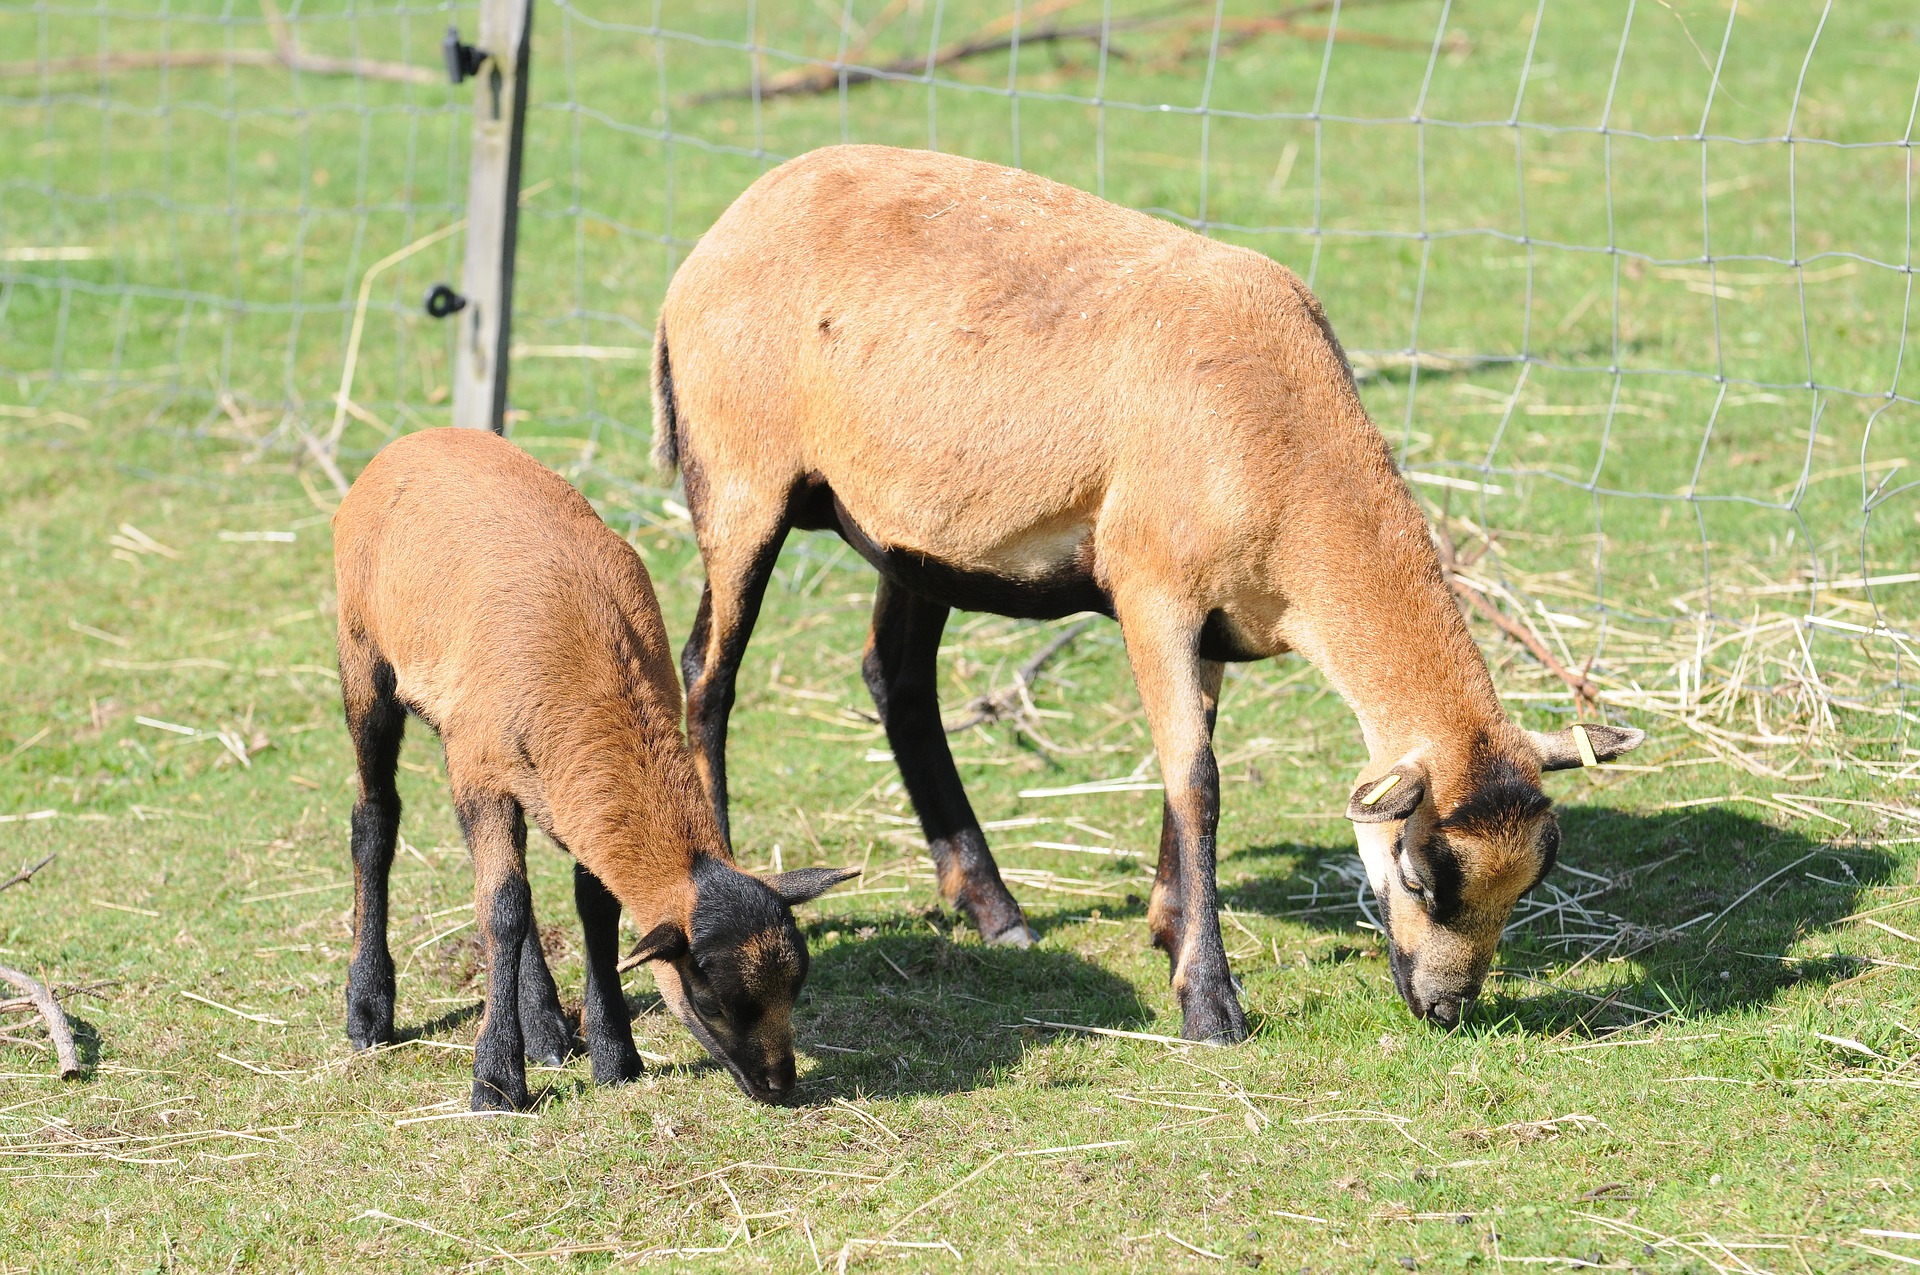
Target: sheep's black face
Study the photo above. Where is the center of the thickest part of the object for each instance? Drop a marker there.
(1448, 894)
(1447, 886)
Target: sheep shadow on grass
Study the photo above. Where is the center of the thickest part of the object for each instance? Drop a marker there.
(894, 1006)
(1702, 904)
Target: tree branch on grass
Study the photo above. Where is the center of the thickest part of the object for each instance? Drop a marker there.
(285, 52)
(1586, 695)
(999, 36)
(57, 1027)
(25, 875)
(1014, 701)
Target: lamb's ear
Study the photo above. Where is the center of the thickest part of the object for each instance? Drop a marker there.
(1583, 745)
(664, 942)
(1394, 795)
(804, 884)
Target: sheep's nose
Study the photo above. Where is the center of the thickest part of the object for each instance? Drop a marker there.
(1442, 1002)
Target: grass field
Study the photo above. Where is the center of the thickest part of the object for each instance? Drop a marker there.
(1698, 1052)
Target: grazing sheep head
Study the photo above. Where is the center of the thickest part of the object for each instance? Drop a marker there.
(1447, 883)
(734, 974)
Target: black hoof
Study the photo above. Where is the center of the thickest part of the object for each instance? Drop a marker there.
(996, 917)
(547, 1037)
(620, 1069)
(1213, 1018)
(500, 1097)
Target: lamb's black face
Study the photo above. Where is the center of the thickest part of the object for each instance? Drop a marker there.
(736, 985)
(734, 979)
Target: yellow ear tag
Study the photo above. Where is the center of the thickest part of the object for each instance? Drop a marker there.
(1380, 790)
(1585, 746)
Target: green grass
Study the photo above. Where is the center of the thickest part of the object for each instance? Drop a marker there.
(1658, 1104)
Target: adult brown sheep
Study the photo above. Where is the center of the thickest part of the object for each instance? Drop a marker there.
(1011, 396)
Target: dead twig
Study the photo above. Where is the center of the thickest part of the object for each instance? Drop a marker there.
(1584, 692)
(294, 59)
(57, 1028)
(822, 78)
(1012, 701)
(1586, 696)
(25, 875)
(285, 52)
(999, 36)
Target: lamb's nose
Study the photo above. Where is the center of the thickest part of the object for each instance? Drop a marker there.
(779, 1079)
(1444, 1011)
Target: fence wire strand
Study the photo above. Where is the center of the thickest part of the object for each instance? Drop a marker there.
(192, 190)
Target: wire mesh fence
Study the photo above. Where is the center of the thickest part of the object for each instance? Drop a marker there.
(1628, 285)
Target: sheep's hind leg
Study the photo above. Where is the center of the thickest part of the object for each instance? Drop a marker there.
(376, 721)
(737, 573)
(496, 836)
(609, 1029)
(900, 669)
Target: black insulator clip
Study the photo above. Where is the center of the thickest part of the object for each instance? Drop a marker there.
(463, 60)
(443, 301)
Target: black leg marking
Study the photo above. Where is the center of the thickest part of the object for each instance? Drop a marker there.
(608, 1029)
(1167, 911)
(1210, 1009)
(505, 908)
(376, 721)
(901, 672)
(1166, 914)
(707, 736)
(729, 605)
(1180, 690)
(544, 1029)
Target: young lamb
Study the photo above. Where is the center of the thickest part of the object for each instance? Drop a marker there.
(479, 592)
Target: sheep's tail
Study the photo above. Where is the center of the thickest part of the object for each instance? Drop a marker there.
(666, 421)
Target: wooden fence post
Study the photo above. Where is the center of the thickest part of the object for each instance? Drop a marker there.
(498, 63)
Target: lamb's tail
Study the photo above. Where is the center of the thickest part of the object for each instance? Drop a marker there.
(666, 422)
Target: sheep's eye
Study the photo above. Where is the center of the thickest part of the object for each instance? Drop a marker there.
(1413, 887)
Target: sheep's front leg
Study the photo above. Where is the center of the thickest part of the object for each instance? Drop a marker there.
(1166, 909)
(496, 836)
(1179, 691)
(740, 541)
(608, 1028)
(545, 1033)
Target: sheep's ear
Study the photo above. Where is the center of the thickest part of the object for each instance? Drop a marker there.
(1394, 795)
(804, 884)
(664, 942)
(1583, 745)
